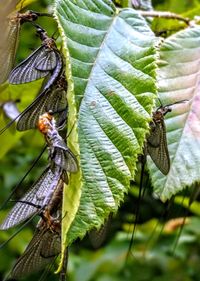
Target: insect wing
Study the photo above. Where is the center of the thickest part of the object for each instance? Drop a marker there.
(8, 48)
(7, 6)
(97, 237)
(47, 62)
(64, 159)
(55, 73)
(60, 154)
(155, 134)
(51, 246)
(36, 196)
(41, 251)
(136, 4)
(70, 161)
(54, 100)
(27, 70)
(160, 154)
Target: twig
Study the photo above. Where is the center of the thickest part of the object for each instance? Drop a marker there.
(167, 15)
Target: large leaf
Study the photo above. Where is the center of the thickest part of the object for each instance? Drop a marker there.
(179, 79)
(110, 58)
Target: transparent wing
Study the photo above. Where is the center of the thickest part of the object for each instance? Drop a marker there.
(54, 100)
(98, 237)
(35, 196)
(8, 46)
(33, 67)
(51, 246)
(47, 63)
(41, 251)
(55, 140)
(160, 154)
(55, 73)
(155, 134)
(64, 159)
(59, 153)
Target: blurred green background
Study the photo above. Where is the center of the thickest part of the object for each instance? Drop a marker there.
(161, 249)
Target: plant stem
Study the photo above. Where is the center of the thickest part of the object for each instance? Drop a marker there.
(167, 15)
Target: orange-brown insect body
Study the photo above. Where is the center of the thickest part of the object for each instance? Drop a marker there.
(44, 123)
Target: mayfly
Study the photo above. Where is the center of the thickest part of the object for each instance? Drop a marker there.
(44, 61)
(156, 147)
(10, 36)
(47, 62)
(46, 242)
(157, 141)
(42, 250)
(60, 155)
(54, 100)
(34, 200)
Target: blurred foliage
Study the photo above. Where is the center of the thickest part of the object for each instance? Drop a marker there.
(159, 251)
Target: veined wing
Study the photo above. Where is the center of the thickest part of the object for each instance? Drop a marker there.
(155, 134)
(7, 6)
(8, 46)
(60, 154)
(41, 251)
(64, 159)
(45, 63)
(28, 71)
(35, 196)
(54, 100)
(55, 73)
(51, 246)
(98, 237)
(160, 154)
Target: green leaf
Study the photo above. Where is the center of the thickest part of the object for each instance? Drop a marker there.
(174, 6)
(110, 67)
(178, 79)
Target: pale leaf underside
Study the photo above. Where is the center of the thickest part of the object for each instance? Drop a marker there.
(178, 78)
